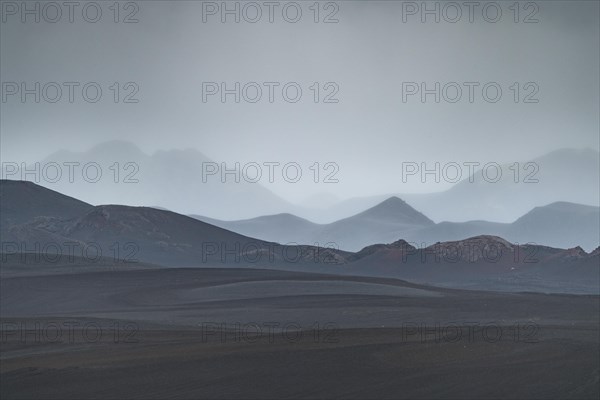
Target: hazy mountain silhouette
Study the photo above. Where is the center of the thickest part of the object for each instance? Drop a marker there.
(169, 179)
(565, 175)
(561, 225)
(170, 239)
(386, 221)
(133, 234)
(383, 223)
(392, 211)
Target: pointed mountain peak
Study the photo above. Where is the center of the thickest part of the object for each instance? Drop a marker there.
(396, 210)
(403, 244)
(393, 200)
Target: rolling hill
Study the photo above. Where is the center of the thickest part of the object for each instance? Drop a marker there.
(149, 236)
(132, 234)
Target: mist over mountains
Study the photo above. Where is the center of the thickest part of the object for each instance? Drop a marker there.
(300, 200)
(68, 229)
(565, 175)
(554, 193)
(169, 179)
(559, 224)
(174, 180)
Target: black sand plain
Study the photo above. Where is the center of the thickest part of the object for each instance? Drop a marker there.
(150, 332)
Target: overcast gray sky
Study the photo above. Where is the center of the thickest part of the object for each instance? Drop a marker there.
(367, 55)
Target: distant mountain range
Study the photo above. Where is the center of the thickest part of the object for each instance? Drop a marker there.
(559, 224)
(566, 175)
(386, 222)
(38, 221)
(168, 179)
(173, 180)
(484, 262)
(68, 226)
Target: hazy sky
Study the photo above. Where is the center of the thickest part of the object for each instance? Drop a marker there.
(367, 56)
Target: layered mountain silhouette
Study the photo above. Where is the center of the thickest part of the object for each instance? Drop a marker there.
(558, 224)
(565, 175)
(169, 179)
(130, 234)
(142, 234)
(172, 179)
(561, 224)
(385, 222)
